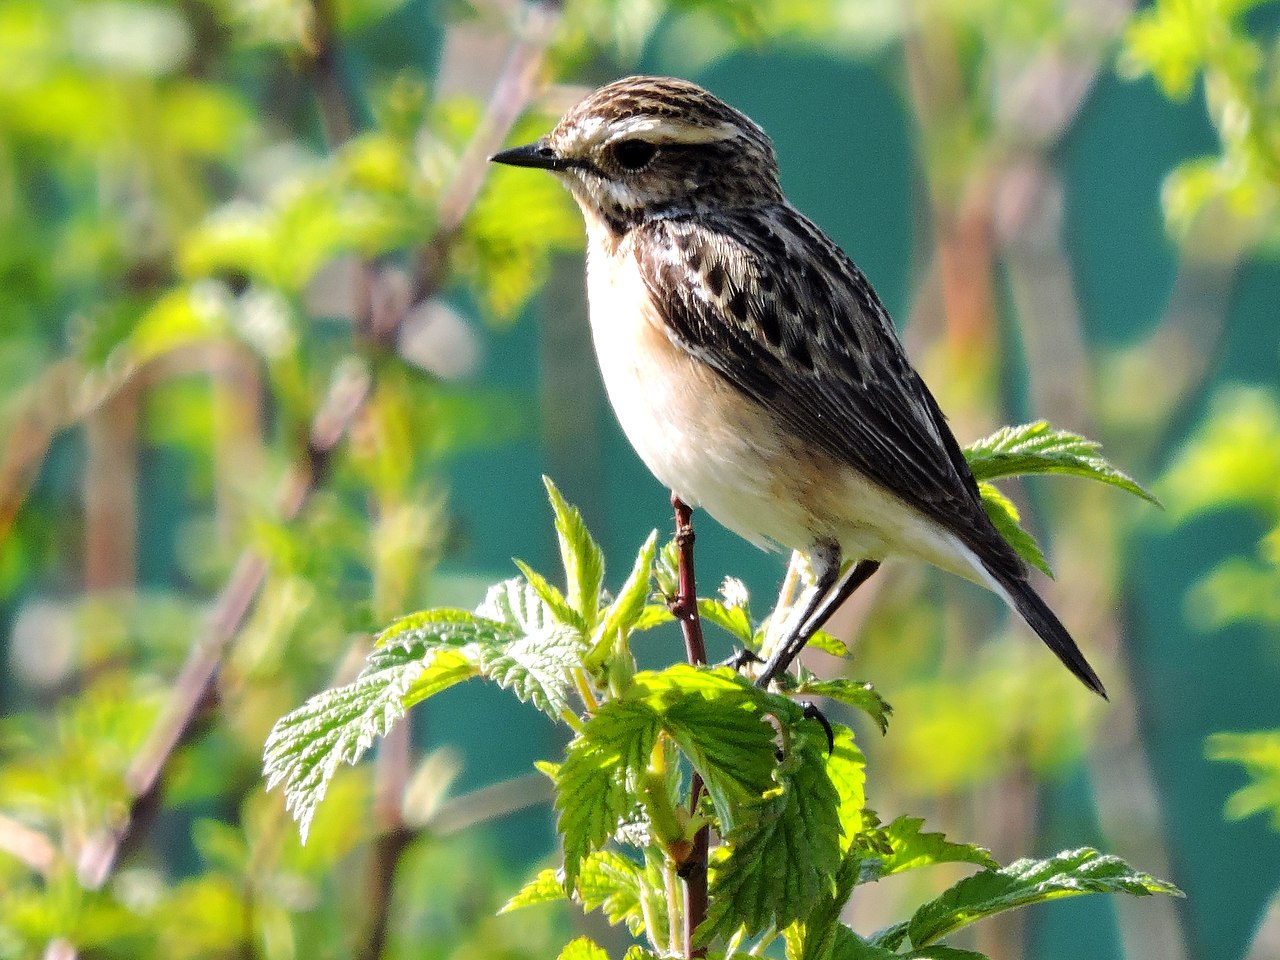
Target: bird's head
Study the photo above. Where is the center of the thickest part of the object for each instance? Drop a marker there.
(645, 147)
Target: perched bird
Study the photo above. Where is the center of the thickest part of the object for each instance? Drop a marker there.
(751, 364)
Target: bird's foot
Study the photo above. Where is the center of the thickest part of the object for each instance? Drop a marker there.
(740, 659)
(811, 712)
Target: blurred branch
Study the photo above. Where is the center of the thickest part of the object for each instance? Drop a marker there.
(30, 846)
(195, 685)
(49, 407)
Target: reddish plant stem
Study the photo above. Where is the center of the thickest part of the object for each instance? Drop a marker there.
(684, 607)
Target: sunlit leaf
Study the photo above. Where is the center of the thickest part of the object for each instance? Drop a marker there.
(1069, 874)
(1037, 448)
(582, 557)
(417, 657)
(1004, 515)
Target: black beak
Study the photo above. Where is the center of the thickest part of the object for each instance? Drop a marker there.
(537, 155)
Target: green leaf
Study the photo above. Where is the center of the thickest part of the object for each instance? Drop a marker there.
(596, 783)
(846, 768)
(1038, 448)
(582, 949)
(611, 883)
(1004, 515)
(622, 614)
(1070, 873)
(829, 644)
(581, 555)
(538, 668)
(717, 718)
(855, 693)
(820, 932)
(416, 657)
(763, 882)
(850, 946)
(537, 661)
(608, 881)
(653, 615)
(1259, 754)
(545, 887)
(551, 596)
(666, 569)
(732, 620)
(912, 849)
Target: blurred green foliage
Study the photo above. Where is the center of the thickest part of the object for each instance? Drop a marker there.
(1229, 49)
(1231, 463)
(180, 270)
(1220, 47)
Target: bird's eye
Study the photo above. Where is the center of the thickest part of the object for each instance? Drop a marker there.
(633, 155)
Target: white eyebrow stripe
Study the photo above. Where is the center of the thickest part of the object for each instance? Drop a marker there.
(665, 130)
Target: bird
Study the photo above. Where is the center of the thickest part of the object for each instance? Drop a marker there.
(751, 364)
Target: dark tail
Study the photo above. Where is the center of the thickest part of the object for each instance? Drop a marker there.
(1044, 622)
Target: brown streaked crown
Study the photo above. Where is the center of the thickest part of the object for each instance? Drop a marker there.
(646, 147)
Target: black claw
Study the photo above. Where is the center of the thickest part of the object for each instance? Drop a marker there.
(739, 659)
(811, 712)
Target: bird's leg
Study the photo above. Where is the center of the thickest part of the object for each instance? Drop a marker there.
(827, 597)
(825, 560)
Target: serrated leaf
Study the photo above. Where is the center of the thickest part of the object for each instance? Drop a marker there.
(820, 932)
(847, 945)
(666, 569)
(545, 887)
(829, 644)
(912, 849)
(538, 668)
(416, 657)
(1004, 515)
(608, 881)
(717, 718)
(594, 785)
(1070, 873)
(622, 614)
(611, 883)
(517, 604)
(855, 693)
(551, 596)
(582, 557)
(846, 768)
(537, 659)
(763, 883)
(1039, 448)
(653, 615)
(733, 620)
(582, 949)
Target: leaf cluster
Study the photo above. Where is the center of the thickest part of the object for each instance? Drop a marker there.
(795, 834)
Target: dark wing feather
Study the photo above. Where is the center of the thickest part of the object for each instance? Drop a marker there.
(770, 302)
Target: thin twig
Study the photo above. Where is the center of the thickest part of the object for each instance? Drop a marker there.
(194, 687)
(684, 607)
